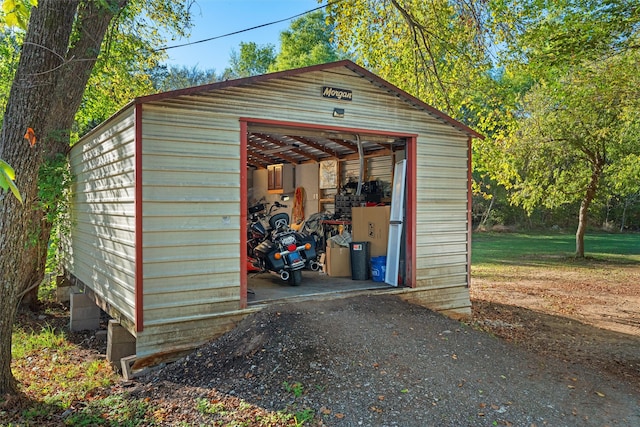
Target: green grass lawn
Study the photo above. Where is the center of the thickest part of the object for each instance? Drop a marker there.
(552, 248)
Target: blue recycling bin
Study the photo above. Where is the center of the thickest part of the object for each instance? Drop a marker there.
(378, 268)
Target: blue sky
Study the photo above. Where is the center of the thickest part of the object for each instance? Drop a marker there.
(213, 18)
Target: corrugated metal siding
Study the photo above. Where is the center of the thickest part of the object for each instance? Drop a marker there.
(189, 333)
(376, 168)
(100, 249)
(298, 99)
(191, 222)
(191, 199)
(442, 226)
(192, 172)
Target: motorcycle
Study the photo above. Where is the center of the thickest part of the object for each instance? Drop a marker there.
(257, 229)
(284, 251)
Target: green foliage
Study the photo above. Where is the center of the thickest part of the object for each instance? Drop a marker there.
(29, 342)
(54, 180)
(433, 50)
(295, 388)
(303, 416)
(507, 248)
(7, 176)
(568, 128)
(551, 35)
(15, 13)
(129, 55)
(172, 78)
(308, 41)
(10, 42)
(205, 406)
(112, 411)
(252, 60)
(576, 123)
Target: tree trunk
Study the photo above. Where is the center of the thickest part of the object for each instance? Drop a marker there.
(487, 213)
(624, 214)
(45, 96)
(597, 165)
(92, 22)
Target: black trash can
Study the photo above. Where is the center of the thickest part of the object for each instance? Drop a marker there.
(359, 260)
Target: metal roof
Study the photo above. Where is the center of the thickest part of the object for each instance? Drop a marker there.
(381, 83)
(286, 145)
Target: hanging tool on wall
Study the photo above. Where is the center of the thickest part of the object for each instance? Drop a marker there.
(297, 213)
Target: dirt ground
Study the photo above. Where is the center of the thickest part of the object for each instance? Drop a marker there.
(586, 313)
(544, 347)
(378, 361)
(556, 347)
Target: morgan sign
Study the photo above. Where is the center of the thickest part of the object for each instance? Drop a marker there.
(335, 93)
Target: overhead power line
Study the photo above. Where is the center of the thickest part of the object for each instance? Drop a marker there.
(246, 29)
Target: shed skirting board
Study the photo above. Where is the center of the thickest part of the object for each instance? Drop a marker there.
(161, 344)
(453, 302)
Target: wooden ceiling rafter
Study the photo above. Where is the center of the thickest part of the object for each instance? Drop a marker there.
(315, 145)
(354, 146)
(256, 164)
(265, 149)
(344, 143)
(382, 146)
(280, 155)
(377, 153)
(293, 149)
(265, 159)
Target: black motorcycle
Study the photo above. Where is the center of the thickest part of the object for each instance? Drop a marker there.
(285, 251)
(257, 228)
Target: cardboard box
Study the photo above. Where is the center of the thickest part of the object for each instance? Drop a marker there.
(337, 260)
(371, 224)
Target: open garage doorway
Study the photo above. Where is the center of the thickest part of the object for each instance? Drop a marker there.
(317, 175)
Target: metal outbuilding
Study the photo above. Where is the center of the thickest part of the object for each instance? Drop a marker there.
(159, 202)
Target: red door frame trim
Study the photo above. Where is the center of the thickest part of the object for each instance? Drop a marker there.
(281, 123)
(243, 214)
(469, 207)
(410, 202)
(139, 280)
(410, 212)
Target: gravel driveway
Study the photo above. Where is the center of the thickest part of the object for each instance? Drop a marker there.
(379, 361)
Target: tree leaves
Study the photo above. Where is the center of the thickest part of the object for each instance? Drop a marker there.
(7, 176)
(307, 42)
(15, 13)
(253, 59)
(433, 50)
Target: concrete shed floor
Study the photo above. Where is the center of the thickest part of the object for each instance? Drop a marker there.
(267, 288)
